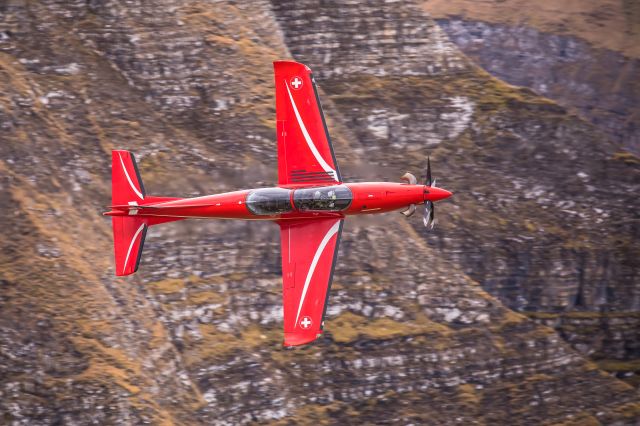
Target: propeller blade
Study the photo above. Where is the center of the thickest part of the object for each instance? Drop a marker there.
(426, 218)
(432, 216)
(428, 176)
(429, 215)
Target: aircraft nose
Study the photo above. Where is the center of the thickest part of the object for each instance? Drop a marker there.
(437, 194)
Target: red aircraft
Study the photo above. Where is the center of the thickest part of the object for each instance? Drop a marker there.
(309, 204)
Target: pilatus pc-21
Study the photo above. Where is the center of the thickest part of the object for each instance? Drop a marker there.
(309, 204)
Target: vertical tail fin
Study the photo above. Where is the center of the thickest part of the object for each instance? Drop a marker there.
(130, 228)
(126, 183)
(128, 231)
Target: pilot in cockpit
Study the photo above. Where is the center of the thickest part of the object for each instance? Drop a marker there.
(332, 198)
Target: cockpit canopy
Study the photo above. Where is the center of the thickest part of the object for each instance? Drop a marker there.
(269, 201)
(324, 198)
(274, 201)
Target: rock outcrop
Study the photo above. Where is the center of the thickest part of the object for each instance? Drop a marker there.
(584, 56)
(600, 84)
(195, 336)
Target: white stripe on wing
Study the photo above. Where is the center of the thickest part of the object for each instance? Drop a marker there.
(327, 168)
(316, 257)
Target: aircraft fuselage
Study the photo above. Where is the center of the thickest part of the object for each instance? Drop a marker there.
(291, 202)
(309, 204)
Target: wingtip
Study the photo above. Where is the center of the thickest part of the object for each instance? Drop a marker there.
(289, 62)
(299, 339)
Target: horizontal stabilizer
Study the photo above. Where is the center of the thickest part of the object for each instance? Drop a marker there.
(128, 240)
(128, 198)
(132, 206)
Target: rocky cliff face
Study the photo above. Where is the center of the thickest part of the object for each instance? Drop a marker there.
(194, 337)
(584, 56)
(599, 83)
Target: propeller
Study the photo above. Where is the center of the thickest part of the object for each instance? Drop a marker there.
(429, 217)
(429, 209)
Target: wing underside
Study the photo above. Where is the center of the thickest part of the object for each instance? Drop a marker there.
(305, 154)
(309, 251)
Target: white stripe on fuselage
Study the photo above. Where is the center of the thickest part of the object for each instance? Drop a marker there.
(316, 257)
(327, 168)
(138, 193)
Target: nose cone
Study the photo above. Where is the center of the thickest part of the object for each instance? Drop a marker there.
(436, 194)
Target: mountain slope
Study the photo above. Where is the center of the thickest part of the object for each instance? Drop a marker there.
(524, 165)
(195, 336)
(583, 54)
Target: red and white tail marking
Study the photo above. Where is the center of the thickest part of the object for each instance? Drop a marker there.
(126, 184)
(128, 241)
(128, 232)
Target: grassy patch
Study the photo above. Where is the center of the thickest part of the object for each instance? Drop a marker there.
(618, 366)
(580, 419)
(627, 158)
(348, 327)
(204, 297)
(218, 344)
(511, 318)
(168, 286)
(630, 410)
(111, 364)
(467, 395)
(541, 315)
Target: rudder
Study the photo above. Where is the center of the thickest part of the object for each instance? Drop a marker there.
(128, 220)
(126, 183)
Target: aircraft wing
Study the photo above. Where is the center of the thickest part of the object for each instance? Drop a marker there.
(305, 155)
(309, 251)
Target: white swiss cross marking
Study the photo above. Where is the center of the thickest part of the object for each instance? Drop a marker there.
(296, 82)
(305, 322)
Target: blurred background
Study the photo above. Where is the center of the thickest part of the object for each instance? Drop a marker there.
(522, 307)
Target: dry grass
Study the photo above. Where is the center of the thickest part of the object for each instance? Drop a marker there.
(347, 327)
